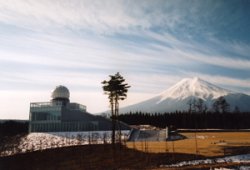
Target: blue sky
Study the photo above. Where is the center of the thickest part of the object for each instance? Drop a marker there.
(152, 43)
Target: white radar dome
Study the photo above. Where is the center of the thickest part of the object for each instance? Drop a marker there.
(60, 92)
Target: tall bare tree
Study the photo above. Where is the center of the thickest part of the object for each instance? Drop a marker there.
(116, 89)
(196, 105)
(221, 105)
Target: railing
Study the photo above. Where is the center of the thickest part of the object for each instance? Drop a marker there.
(71, 106)
(45, 104)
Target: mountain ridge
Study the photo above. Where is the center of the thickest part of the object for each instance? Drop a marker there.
(177, 96)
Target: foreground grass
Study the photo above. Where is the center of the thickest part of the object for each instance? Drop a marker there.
(88, 157)
(207, 143)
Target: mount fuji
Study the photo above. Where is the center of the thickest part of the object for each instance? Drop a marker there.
(176, 97)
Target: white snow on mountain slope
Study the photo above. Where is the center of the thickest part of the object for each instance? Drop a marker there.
(195, 87)
(176, 97)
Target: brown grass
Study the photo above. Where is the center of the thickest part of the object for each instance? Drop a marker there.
(208, 144)
(90, 157)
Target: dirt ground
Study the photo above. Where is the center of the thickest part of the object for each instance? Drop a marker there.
(201, 143)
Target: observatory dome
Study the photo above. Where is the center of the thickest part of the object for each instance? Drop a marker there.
(60, 92)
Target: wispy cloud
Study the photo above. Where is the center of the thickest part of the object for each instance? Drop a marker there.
(152, 43)
(96, 15)
(235, 63)
(103, 17)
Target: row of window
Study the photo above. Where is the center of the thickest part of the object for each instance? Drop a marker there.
(46, 108)
(44, 116)
(66, 126)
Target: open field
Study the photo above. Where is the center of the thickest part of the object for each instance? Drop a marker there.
(146, 155)
(208, 144)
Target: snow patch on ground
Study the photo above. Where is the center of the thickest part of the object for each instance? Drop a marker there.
(201, 137)
(238, 168)
(237, 159)
(41, 141)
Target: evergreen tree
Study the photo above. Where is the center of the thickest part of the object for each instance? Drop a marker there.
(116, 89)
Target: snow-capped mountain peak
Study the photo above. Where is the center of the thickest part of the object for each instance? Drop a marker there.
(195, 87)
(176, 97)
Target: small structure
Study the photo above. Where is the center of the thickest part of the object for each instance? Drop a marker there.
(167, 132)
(173, 134)
(151, 133)
(60, 115)
(147, 133)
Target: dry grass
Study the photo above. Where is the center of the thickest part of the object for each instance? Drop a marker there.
(208, 144)
(94, 157)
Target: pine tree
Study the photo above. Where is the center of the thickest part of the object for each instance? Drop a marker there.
(116, 89)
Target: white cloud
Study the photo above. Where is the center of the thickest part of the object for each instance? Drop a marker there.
(100, 16)
(184, 51)
(97, 15)
(75, 43)
(235, 63)
(112, 16)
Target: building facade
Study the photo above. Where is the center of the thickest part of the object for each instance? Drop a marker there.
(60, 115)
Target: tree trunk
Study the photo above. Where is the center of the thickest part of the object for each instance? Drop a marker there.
(117, 115)
(113, 123)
